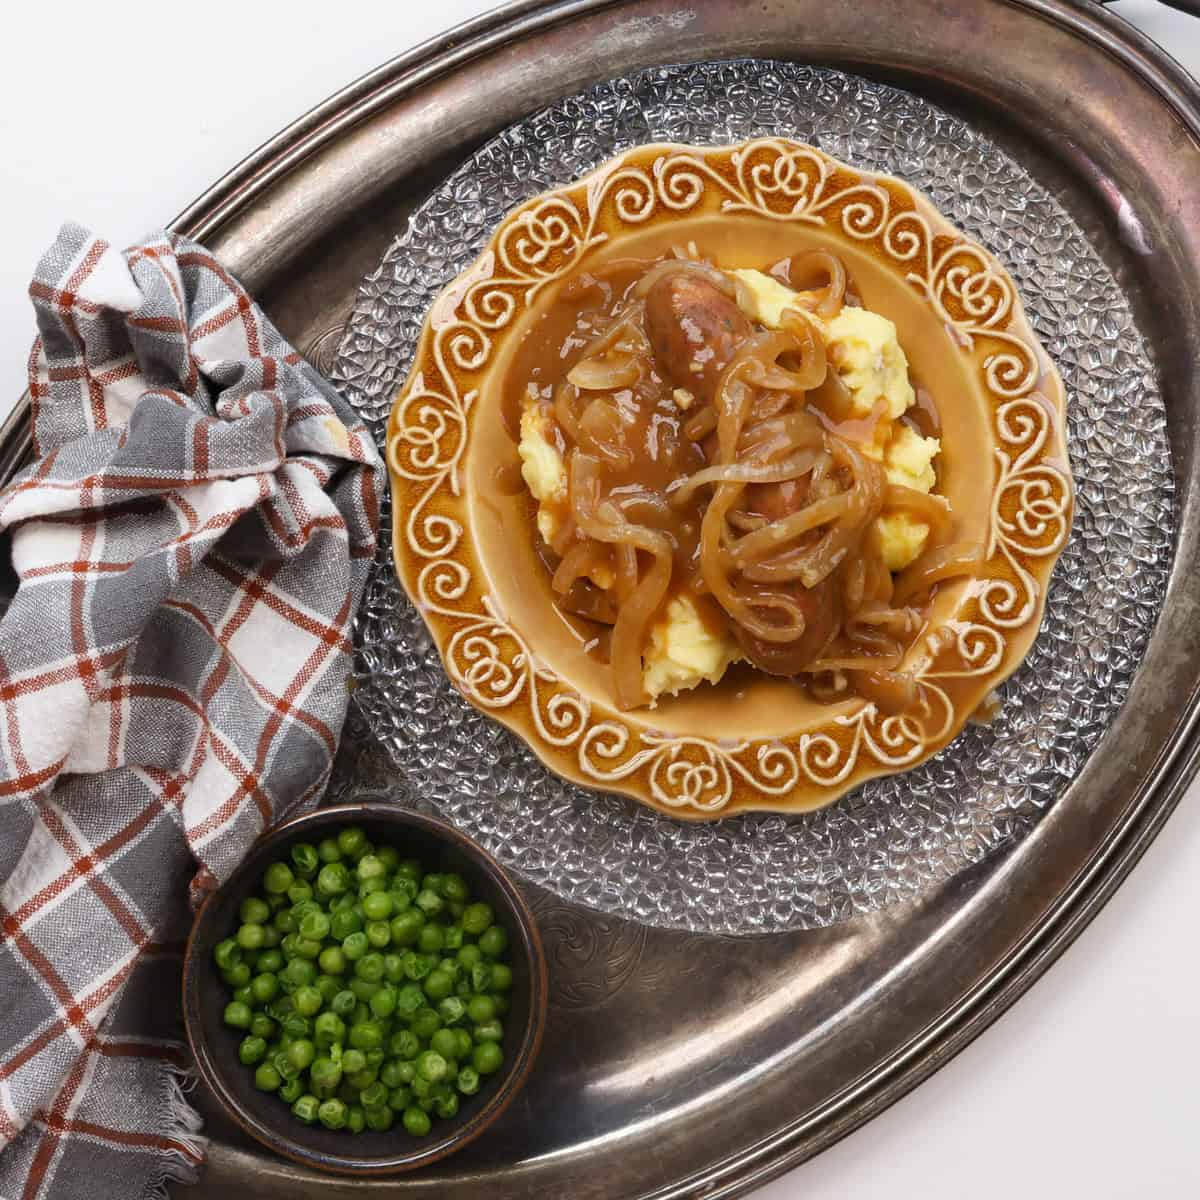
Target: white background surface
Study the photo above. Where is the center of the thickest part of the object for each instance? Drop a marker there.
(118, 115)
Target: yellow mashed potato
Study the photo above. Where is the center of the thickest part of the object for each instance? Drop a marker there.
(864, 350)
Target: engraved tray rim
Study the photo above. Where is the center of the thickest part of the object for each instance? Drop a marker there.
(232, 217)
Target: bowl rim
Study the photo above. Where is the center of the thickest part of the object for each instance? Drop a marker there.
(583, 738)
(510, 1083)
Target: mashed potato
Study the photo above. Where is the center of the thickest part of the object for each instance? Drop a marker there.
(684, 651)
(866, 353)
(542, 468)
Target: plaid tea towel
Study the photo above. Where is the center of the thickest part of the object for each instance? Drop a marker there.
(190, 546)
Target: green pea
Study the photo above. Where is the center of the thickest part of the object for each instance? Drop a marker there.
(355, 946)
(399, 1098)
(374, 1095)
(285, 923)
(356, 1119)
(389, 856)
(243, 995)
(308, 947)
(262, 1026)
(328, 986)
(326, 1072)
(266, 1078)
(328, 850)
(271, 939)
(370, 867)
(302, 1052)
(299, 972)
(452, 937)
(393, 968)
(364, 989)
(366, 1035)
(353, 1061)
(379, 934)
(305, 860)
(254, 911)
(389, 1074)
(277, 878)
(431, 1066)
(364, 1078)
(332, 960)
(270, 962)
(416, 1122)
(480, 1009)
(477, 917)
(462, 988)
(341, 903)
(376, 1057)
(421, 1087)
(403, 892)
(501, 977)
(380, 1118)
(404, 1044)
(433, 881)
(238, 1015)
(306, 1108)
(438, 985)
(417, 966)
(446, 1106)
(487, 1058)
(429, 902)
(361, 1011)
(481, 977)
(452, 1009)
(408, 999)
(454, 887)
(377, 906)
(463, 1048)
(352, 841)
(470, 955)
(300, 891)
(283, 1064)
(369, 967)
(238, 975)
(493, 941)
(368, 887)
(344, 1003)
(275, 903)
(314, 926)
(425, 1022)
(467, 1081)
(488, 1031)
(296, 1026)
(251, 1050)
(406, 926)
(444, 1042)
(332, 1114)
(302, 908)
(345, 922)
(292, 1090)
(431, 939)
(328, 1028)
(333, 879)
(383, 1002)
(264, 987)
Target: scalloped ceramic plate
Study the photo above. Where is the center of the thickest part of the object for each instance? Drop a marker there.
(465, 550)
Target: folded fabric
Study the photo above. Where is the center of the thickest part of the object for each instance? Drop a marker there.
(191, 545)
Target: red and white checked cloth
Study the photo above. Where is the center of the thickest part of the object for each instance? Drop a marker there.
(191, 547)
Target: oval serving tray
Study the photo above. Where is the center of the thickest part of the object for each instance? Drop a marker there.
(1112, 126)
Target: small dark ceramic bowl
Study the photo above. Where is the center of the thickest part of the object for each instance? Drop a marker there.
(266, 1117)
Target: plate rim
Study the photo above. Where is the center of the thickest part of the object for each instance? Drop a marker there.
(582, 737)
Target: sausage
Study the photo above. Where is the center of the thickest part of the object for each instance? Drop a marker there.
(821, 621)
(694, 330)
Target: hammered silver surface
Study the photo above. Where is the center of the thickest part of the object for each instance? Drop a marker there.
(893, 837)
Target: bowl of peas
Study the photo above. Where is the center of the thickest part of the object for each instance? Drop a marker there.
(367, 992)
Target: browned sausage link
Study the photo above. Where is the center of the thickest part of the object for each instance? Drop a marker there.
(819, 605)
(694, 330)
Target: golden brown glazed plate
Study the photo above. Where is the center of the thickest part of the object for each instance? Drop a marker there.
(465, 550)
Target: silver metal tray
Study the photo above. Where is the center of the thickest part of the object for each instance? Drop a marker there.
(651, 1032)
